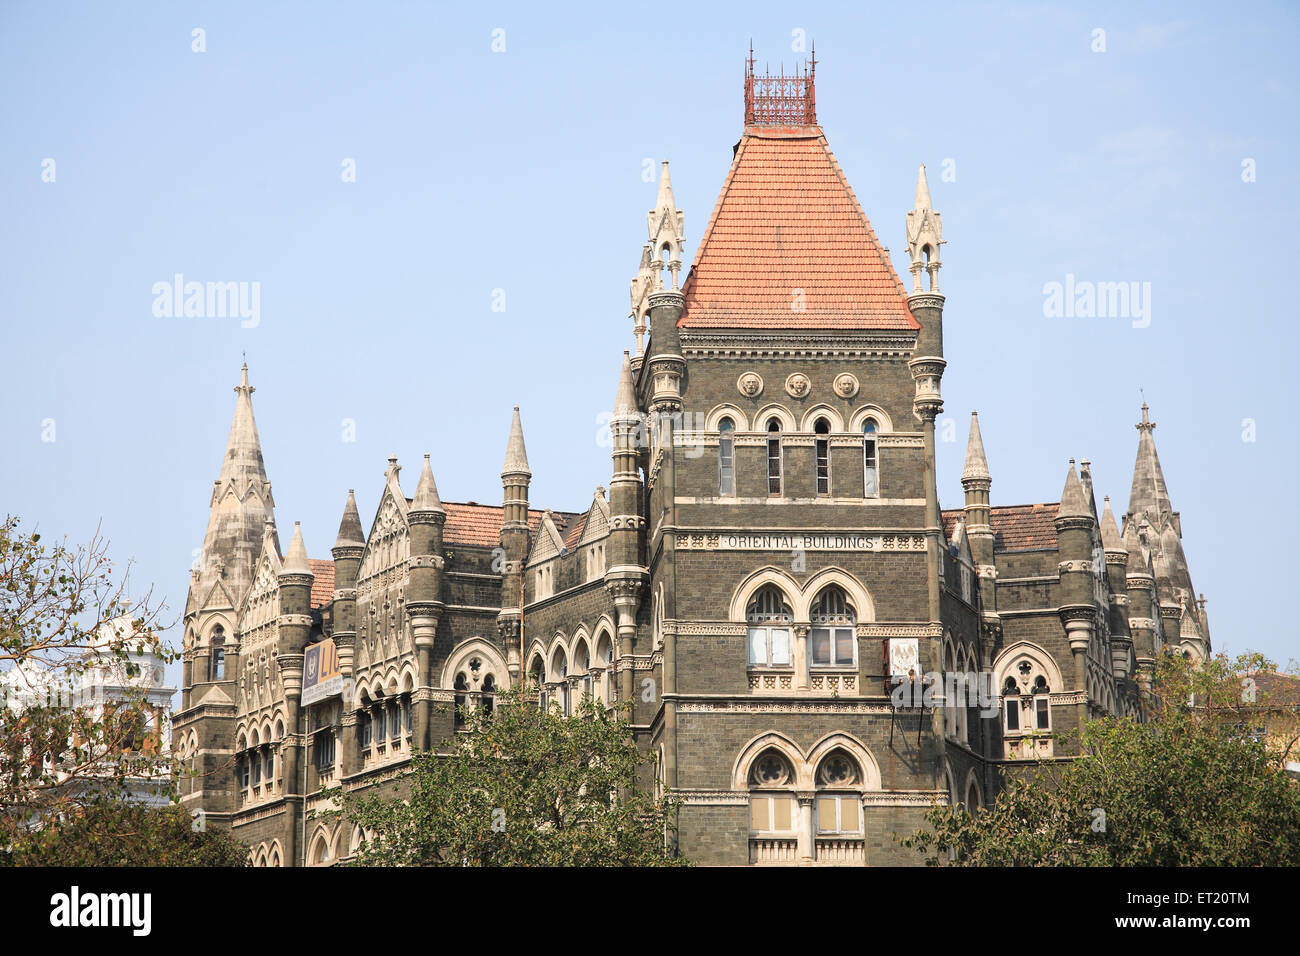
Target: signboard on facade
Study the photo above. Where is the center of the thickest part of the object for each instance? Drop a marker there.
(904, 658)
(799, 541)
(321, 676)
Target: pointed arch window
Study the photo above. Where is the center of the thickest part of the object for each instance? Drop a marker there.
(774, 462)
(771, 805)
(870, 462)
(822, 457)
(217, 665)
(461, 687)
(833, 637)
(769, 618)
(726, 457)
(839, 802)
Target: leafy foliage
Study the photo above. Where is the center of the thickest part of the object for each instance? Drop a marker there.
(110, 832)
(1193, 787)
(63, 620)
(523, 787)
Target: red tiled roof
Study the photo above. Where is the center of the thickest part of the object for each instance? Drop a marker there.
(788, 220)
(576, 529)
(473, 523)
(1015, 527)
(322, 588)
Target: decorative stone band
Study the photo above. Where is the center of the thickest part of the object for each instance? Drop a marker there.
(436, 561)
(750, 345)
(1065, 566)
(627, 521)
(244, 817)
(1116, 556)
(294, 578)
(1119, 600)
(426, 517)
(433, 693)
(711, 798)
(343, 552)
(1070, 697)
(626, 663)
(345, 594)
(868, 540)
(925, 300)
(904, 798)
(290, 620)
(781, 706)
(364, 780)
(1141, 622)
(1073, 522)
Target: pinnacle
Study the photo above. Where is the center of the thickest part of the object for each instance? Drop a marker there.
(516, 455)
(350, 532)
(977, 467)
(295, 561)
(426, 493)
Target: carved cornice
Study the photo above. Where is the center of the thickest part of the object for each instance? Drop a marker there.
(781, 706)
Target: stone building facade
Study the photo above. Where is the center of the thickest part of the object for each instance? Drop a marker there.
(812, 650)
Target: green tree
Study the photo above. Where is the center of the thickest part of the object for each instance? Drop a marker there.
(523, 787)
(1192, 787)
(112, 832)
(63, 617)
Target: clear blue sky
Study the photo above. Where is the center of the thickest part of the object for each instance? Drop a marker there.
(522, 171)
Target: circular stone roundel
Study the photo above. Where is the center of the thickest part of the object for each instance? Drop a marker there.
(750, 384)
(798, 385)
(846, 385)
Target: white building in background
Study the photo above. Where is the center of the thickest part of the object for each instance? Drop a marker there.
(103, 682)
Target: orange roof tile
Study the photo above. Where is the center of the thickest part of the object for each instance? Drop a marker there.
(1015, 527)
(788, 220)
(472, 523)
(322, 588)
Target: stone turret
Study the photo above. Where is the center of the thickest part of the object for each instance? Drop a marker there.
(1140, 585)
(294, 632)
(241, 508)
(1161, 527)
(515, 479)
(625, 577)
(424, 604)
(927, 365)
(1078, 609)
(976, 482)
(1121, 643)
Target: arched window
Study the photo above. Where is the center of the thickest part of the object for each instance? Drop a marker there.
(605, 661)
(726, 457)
(1026, 711)
(833, 637)
(770, 809)
(560, 675)
(537, 676)
(217, 666)
(774, 458)
(320, 852)
(769, 617)
(870, 465)
(582, 665)
(839, 803)
(461, 687)
(822, 458)
(489, 694)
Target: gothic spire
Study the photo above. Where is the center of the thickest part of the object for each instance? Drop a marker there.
(1150, 495)
(625, 398)
(516, 455)
(241, 510)
(350, 533)
(977, 467)
(924, 236)
(426, 493)
(1110, 539)
(295, 561)
(667, 225)
(1073, 502)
